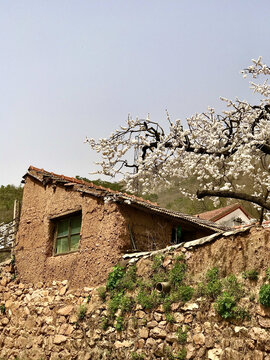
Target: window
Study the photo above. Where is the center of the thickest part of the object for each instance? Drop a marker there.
(67, 234)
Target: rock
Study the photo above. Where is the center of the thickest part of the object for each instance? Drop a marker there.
(264, 322)
(143, 333)
(4, 282)
(209, 341)
(190, 307)
(171, 338)
(263, 311)
(157, 316)
(140, 314)
(59, 339)
(125, 343)
(158, 333)
(9, 303)
(240, 329)
(179, 318)
(5, 321)
(175, 306)
(214, 354)
(66, 329)
(63, 290)
(159, 351)
(232, 354)
(152, 324)
(191, 352)
(167, 262)
(199, 339)
(140, 344)
(150, 342)
(188, 318)
(257, 333)
(66, 310)
(49, 320)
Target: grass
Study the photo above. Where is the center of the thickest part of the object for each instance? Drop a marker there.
(82, 312)
(181, 335)
(251, 274)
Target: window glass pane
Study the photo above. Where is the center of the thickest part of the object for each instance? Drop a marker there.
(62, 245)
(75, 224)
(74, 242)
(62, 228)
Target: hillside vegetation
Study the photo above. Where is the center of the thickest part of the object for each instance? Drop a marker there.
(8, 194)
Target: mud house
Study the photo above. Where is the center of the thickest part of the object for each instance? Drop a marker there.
(75, 230)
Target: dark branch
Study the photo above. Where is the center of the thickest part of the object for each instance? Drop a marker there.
(234, 195)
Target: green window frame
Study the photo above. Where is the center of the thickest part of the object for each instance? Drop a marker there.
(67, 234)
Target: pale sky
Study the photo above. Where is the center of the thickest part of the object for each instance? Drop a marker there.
(71, 69)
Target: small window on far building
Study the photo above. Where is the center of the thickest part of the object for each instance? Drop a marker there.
(67, 234)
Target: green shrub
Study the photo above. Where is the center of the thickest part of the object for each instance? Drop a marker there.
(180, 258)
(181, 355)
(114, 303)
(145, 284)
(212, 274)
(128, 281)
(102, 293)
(167, 304)
(157, 262)
(181, 336)
(170, 318)
(177, 273)
(225, 305)
(241, 313)
(115, 276)
(264, 295)
(212, 286)
(3, 308)
(82, 312)
(250, 274)
(185, 292)
(126, 304)
(119, 326)
(233, 287)
(104, 323)
(148, 301)
(136, 356)
(158, 277)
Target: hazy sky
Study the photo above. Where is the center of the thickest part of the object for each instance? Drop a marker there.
(71, 69)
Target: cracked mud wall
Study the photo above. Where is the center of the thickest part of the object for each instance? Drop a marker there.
(105, 235)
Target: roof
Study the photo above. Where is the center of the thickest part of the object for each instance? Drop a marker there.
(217, 214)
(88, 188)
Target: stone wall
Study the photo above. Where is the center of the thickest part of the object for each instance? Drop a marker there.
(48, 322)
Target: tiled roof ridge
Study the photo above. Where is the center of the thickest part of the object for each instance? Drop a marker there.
(90, 184)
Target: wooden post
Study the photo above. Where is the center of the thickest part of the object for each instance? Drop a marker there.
(16, 219)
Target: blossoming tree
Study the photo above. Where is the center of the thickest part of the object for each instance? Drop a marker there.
(221, 150)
